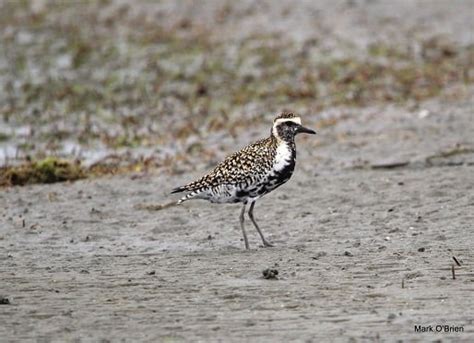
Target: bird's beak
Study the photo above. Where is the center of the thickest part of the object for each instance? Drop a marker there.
(302, 129)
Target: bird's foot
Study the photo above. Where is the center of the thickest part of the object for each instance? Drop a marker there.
(267, 244)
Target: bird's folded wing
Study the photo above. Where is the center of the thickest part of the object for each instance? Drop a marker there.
(246, 165)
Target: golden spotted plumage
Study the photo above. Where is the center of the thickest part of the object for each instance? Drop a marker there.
(254, 159)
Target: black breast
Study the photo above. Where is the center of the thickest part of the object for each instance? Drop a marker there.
(277, 178)
(284, 175)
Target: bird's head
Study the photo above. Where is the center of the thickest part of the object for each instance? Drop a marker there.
(287, 125)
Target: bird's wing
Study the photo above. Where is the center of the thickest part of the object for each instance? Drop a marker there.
(239, 167)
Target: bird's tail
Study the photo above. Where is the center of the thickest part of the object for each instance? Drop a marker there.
(178, 189)
(188, 196)
(157, 207)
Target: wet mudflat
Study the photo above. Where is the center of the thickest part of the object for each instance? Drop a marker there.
(361, 253)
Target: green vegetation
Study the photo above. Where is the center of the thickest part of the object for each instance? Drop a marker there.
(100, 74)
(48, 170)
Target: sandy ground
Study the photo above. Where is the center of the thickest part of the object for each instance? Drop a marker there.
(365, 231)
(362, 253)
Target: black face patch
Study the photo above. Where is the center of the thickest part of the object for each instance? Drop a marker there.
(287, 131)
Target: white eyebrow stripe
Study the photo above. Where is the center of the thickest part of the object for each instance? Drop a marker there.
(296, 120)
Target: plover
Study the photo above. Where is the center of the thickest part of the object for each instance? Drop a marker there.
(252, 172)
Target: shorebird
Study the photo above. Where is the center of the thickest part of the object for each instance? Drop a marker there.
(252, 172)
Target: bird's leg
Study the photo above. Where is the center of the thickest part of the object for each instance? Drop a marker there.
(264, 241)
(242, 218)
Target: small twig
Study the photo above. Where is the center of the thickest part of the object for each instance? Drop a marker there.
(456, 260)
(403, 283)
(155, 207)
(452, 271)
(458, 149)
(23, 224)
(389, 165)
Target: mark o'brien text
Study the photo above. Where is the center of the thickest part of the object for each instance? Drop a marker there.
(439, 328)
